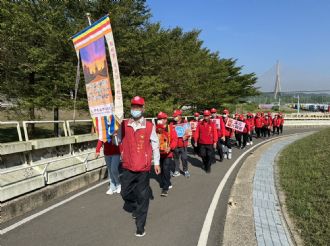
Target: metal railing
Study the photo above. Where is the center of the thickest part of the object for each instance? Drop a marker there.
(19, 133)
(68, 123)
(25, 123)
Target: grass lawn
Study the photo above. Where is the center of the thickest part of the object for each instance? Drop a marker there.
(305, 178)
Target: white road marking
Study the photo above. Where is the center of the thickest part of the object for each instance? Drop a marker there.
(33, 216)
(203, 237)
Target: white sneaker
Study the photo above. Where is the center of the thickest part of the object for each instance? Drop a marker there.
(225, 156)
(251, 142)
(170, 187)
(247, 143)
(109, 192)
(176, 174)
(118, 190)
(229, 156)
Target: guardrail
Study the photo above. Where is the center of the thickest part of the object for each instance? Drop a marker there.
(25, 123)
(19, 133)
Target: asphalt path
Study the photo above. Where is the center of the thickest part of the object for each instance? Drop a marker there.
(95, 218)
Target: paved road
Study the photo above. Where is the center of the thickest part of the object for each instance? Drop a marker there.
(98, 219)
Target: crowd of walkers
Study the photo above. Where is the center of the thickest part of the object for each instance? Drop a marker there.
(139, 142)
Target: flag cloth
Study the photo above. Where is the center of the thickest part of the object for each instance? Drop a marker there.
(90, 48)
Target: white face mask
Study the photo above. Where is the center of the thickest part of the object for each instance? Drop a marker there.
(176, 118)
(136, 113)
(196, 118)
(214, 115)
(224, 115)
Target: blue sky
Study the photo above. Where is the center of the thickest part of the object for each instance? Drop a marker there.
(259, 32)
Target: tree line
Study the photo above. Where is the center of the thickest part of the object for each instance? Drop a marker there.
(168, 66)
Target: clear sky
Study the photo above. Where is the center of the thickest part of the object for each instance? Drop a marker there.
(259, 32)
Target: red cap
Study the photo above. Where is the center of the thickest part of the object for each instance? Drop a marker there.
(269, 113)
(177, 112)
(225, 111)
(213, 110)
(137, 101)
(162, 115)
(196, 114)
(206, 113)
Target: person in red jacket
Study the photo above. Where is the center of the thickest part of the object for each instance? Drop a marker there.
(193, 126)
(180, 126)
(243, 135)
(227, 151)
(207, 137)
(267, 126)
(250, 121)
(276, 124)
(167, 143)
(139, 145)
(258, 122)
(281, 123)
(220, 125)
(112, 159)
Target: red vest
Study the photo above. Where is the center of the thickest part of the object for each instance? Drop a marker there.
(136, 148)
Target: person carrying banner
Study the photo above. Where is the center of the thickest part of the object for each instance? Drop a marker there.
(193, 126)
(281, 123)
(206, 136)
(243, 135)
(167, 143)
(220, 125)
(112, 159)
(276, 124)
(258, 122)
(267, 124)
(139, 145)
(181, 150)
(227, 151)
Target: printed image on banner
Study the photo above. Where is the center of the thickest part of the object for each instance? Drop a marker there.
(182, 129)
(96, 75)
(193, 125)
(235, 124)
(217, 123)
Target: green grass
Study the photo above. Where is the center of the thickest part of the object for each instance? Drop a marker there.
(305, 178)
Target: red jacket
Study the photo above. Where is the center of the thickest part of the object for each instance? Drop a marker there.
(228, 131)
(220, 127)
(108, 148)
(171, 139)
(250, 123)
(276, 122)
(267, 122)
(258, 122)
(136, 148)
(206, 133)
(282, 121)
(182, 141)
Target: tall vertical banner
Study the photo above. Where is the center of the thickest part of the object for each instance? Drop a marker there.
(90, 48)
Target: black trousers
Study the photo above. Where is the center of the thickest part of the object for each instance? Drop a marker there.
(219, 148)
(196, 148)
(258, 131)
(165, 165)
(207, 153)
(180, 151)
(136, 193)
(277, 129)
(266, 131)
(242, 139)
(281, 129)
